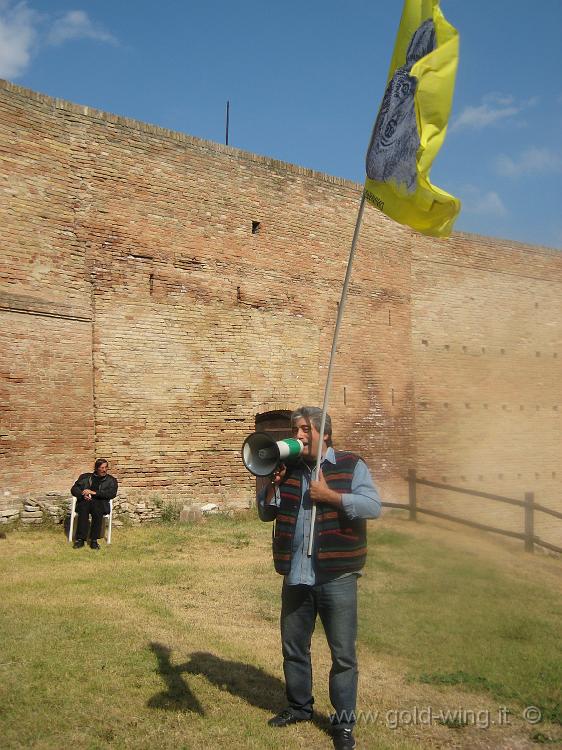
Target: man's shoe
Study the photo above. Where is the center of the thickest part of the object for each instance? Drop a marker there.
(78, 543)
(343, 739)
(286, 717)
(94, 544)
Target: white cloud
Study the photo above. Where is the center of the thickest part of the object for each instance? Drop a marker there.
(475, 201)
(76, 24)
(17, 38)
(531, 161)
(24, 31)
(492, 109)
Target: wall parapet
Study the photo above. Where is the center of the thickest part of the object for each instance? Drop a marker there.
(175, 135)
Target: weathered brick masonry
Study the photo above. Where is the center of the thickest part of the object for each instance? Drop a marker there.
(487, 347)
(144, 318)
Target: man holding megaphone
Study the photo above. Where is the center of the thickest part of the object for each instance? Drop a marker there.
(325, 582)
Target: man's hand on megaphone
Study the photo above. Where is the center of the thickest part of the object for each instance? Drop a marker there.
(278, 475)
(276, 478)
(321, 493)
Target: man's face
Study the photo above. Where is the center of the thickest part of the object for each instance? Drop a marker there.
(101, 471)
(309, 435)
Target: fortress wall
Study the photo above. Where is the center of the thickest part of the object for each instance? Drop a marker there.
(487, 343)
(199, 323)
(46, 401)
(158, 291)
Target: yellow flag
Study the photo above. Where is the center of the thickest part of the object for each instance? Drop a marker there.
(412, 122)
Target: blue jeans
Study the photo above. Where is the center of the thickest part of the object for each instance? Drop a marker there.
(336, 603)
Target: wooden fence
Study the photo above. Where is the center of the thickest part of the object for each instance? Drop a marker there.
(528, 504)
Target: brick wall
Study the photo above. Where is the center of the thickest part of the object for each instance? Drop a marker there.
(199, 323)
(46, 405)
(134, 264)
(487, 343)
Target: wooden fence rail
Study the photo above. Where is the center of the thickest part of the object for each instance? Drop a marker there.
(528, 504)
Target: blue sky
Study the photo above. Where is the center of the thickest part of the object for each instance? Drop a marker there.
(305, 80)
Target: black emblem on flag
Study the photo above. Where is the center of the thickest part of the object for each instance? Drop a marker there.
(391, 156)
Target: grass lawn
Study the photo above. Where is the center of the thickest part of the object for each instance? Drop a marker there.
(169, 639)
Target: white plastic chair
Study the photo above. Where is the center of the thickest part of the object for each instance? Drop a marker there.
(106, 523)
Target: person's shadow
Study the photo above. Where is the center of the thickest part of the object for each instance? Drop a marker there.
(254, 685)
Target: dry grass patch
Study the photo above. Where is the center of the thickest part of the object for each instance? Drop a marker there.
(169, 639)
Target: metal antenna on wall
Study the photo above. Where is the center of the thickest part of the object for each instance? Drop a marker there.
(227, 119)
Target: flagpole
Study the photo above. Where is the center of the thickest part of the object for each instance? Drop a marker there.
(341, 308)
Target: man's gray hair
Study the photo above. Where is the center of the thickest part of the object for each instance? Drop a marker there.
(313, 415)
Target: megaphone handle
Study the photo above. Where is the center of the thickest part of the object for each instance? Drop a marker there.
(278, 475)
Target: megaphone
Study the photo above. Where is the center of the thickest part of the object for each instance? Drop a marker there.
(261, 454)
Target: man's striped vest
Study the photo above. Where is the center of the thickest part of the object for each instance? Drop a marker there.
(340, 544)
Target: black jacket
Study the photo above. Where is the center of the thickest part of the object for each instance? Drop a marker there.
(106, 491)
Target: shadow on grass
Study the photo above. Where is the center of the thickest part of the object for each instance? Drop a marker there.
(252, 684)
(178, 696)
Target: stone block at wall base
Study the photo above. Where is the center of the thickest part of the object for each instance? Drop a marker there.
(239, 505)
(197, 511)
(190, 514)
(9, 515)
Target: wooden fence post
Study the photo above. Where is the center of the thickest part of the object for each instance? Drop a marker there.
(529, 522)
(412, 493)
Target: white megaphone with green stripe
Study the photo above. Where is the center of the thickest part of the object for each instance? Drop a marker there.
(261, 454)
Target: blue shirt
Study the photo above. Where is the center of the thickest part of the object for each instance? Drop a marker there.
(362, 502)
